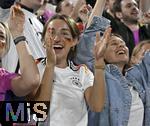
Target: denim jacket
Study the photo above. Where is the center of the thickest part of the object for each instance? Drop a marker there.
(118, 97)
(87, 39)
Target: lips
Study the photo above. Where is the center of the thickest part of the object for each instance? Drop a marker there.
(58, 46)
(135, 13)
(120, 52)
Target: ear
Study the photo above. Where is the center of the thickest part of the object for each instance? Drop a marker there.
(118, 15)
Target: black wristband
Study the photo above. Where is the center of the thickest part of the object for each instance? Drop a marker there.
(19, 39)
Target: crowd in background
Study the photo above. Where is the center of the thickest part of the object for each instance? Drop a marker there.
(89, 59)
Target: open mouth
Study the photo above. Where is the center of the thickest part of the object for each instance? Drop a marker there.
(135, 13)
(120, 52)
(58, 47)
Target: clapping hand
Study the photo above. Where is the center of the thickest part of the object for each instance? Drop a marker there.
(51, 56)
(101, 44)
(16, 21)
(145, 19)
(84, 12)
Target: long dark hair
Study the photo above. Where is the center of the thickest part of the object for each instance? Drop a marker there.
(73, 28)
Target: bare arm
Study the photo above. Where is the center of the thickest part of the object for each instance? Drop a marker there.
(74, 13)
(29, 78)
(95, 95)
(97, 10)
(45, 90)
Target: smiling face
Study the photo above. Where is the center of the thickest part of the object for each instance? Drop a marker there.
(2, 40)
(130, 11)
(116, 51)
(60, 33)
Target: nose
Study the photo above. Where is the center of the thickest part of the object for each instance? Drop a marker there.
(121, 44)
(57, 38)
(135, 8)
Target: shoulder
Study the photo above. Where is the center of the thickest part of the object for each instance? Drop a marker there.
(80, 68)
(3, 72)
(6, 74)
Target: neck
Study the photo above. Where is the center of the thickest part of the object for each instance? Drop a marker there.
(132, 26)
(120, 66)
(61, 63)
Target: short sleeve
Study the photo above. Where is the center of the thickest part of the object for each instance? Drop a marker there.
(87, 77)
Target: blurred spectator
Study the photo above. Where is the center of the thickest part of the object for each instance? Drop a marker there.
(109, 14)
(32, 31)
(78, 10)
(46, 11)
(132, 32)
(139, 51)
(64, 7)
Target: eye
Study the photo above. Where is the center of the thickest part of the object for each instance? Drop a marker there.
(66, 35)
(67, 5)
(136, 5)
(129, 5)
(114, 44)
(51, 31)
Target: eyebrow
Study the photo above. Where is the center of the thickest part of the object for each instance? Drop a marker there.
(63, 29)
(111, 41)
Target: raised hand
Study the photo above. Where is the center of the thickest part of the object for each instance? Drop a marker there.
(84, 12)
(101, 44)
(16, 21)
(145, 19)
(51, 56)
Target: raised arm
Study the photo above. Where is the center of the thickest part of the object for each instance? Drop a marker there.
(95, 95)
(29, 79)
(45, 90)
(97, 10)
(74, 13)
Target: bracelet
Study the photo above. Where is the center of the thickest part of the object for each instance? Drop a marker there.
(19, 39)
(100, 67)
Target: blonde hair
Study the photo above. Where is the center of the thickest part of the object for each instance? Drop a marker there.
(136, 50)
(8, 37)
(139, 46)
